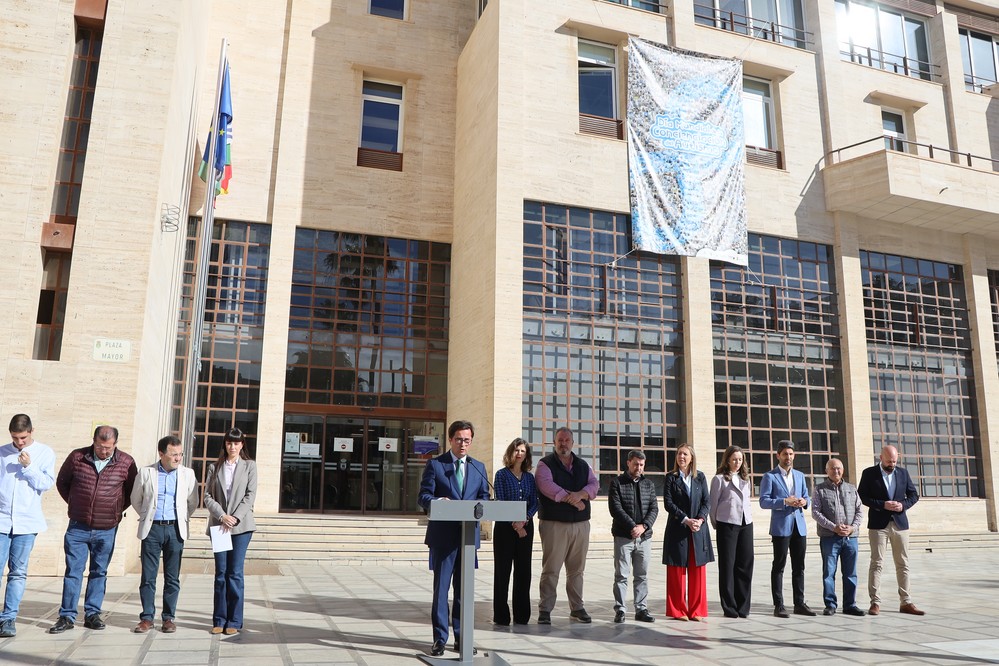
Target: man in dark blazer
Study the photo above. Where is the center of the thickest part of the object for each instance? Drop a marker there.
(784, 493)
(887, 490)
(452, 476)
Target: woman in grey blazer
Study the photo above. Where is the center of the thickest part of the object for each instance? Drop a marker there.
(229, 494)
(732, 518)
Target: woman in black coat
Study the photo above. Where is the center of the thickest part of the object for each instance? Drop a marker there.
(687, 547)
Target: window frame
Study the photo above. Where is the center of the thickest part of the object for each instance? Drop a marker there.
(876, 53)
(403, 12)
(770, 110)
(400, 103)
(797, 37)
(584, 63)
(965, 35)
(893, 137)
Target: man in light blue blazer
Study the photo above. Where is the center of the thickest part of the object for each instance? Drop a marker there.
(784, 493)
(452, 476)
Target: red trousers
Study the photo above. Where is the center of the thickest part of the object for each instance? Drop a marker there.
(694, 579)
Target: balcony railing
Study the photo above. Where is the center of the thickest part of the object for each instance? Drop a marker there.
(977, 84)
(764, 157)
(609, 127)
(890, 62)
(379, 159)
(747, 25)
(647, 5)
(913, 148)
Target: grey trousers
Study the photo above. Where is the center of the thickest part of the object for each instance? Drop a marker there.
(631, 558)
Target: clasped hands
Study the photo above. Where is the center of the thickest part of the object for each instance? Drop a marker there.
(693, 523)
(795, 501)
(577, 499)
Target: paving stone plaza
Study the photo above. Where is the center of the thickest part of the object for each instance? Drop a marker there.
(313, 613)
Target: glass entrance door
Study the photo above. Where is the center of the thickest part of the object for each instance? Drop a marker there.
(355, 464)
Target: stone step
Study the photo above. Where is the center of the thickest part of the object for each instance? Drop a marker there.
(355, 539)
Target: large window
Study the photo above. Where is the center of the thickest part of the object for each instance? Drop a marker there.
(58, 256)
(921, 372)
(602, 339)
(369, 322)
(391, 8)
(776, 354)
(978, 53)
(776, 20)
(228, 392)
(877, 36)
(381, 126)
(598, 82)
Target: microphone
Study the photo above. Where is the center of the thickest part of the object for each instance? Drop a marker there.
(492, 491)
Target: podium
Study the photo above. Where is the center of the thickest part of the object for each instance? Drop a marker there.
(469, 513)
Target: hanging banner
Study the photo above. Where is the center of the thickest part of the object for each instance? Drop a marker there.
(686, 153)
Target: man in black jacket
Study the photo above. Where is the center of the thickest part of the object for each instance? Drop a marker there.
(633, 508)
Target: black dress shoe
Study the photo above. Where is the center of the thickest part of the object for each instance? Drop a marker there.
(829, 610)
(854, 611)
(61, 625)
(457, 647)
(438, 649)
(619, 617)
(732, 614)
(780, 611)
(803, 609)
(644, 616)
(94, 622)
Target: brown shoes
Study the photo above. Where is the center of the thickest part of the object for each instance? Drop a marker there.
(874, 610)
(217, 630)
(910, 609)
(143, 627)
(168, 627)
(231, 631)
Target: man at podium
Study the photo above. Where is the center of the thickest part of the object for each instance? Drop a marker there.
(451, 476)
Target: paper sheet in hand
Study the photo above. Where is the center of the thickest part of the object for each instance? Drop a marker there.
(221, 540)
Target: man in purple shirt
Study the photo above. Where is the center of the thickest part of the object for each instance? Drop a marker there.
(566, 485)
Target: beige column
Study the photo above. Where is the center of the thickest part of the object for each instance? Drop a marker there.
(857, 434)
(986, 368)
(698, 366)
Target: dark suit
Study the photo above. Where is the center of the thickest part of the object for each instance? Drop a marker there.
(444, 538)
(886, 527)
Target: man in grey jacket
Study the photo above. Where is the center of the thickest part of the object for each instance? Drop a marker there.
(837, 511)
(634, 508)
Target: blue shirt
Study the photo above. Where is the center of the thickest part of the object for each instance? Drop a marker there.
(21, 488)
(166, 494)
(511, 489)
(889, 480)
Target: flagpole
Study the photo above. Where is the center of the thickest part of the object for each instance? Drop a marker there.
(201, 272)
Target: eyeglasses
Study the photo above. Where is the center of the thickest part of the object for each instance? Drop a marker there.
(462, 440)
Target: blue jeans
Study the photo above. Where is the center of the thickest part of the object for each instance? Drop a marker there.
(162, 540)
(228, 610)
(80, 543)
(843, 549)
(15, 550)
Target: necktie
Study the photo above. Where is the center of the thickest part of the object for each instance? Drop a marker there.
(461, 475)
